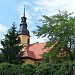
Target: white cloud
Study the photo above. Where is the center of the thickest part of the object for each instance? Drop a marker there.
(34, 39)
(1, 46)
(49, 7)
(2, 28)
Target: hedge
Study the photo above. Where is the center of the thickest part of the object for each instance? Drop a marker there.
(11, 69)
(65, 68)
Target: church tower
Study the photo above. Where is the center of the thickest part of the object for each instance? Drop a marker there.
(23, 31)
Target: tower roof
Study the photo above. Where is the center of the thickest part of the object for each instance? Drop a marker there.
(23, 26)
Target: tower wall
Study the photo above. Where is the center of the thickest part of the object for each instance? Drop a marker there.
(25, 39)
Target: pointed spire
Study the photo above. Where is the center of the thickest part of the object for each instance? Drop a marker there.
(24, 10)
(23, 25)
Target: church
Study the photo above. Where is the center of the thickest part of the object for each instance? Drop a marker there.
(31, 53)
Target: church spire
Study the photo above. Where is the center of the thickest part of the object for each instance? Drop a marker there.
(23, 25)
(24, 10)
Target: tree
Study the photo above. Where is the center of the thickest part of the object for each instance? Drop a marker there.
(60, 29)
(11, 44)
(2, 58)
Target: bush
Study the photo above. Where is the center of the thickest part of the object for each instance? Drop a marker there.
(55, 69)
(47, 69)
(65, 68)
(11, 69)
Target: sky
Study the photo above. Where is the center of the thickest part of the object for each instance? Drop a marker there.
(12, 11)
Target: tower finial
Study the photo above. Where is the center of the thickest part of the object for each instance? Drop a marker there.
(24, 10)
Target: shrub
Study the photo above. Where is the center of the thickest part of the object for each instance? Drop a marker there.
(11, 69)
(47, 69)
(65, 68)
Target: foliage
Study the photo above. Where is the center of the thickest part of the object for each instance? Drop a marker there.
(60, 29)
(11, 44)
(66, 68)
(55, 69)
(2, 58)
(10, 69)
(45, 69)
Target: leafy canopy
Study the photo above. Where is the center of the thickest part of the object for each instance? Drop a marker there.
(58, 28)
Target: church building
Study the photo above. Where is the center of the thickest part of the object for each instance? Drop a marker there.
(31, 53)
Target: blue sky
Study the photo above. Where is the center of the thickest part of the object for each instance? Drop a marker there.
(12, 10)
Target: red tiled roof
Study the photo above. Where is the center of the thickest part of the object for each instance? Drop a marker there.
(35, 51)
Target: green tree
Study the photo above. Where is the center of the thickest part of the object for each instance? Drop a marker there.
(2, 58)
(11, 44)
(59, 29)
